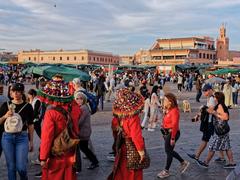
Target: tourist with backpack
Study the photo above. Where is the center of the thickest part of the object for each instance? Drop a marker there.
(60, 120)
(92, 99)
(17, 139)
(84, 125)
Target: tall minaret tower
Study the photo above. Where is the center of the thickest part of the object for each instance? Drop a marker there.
(223, 44)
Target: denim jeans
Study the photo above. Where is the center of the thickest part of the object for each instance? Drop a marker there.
(0, 144)
(15, 148)
(199, 94)
(235, 97)
(101, 101)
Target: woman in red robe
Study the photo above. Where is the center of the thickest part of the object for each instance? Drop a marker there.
(57, 167)
(126, 109)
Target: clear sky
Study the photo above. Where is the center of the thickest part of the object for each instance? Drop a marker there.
(117, 26)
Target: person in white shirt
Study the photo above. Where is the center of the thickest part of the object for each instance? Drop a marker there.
(179, 82)
(227, 91)
(154, 109)
(111, 88)
(146, 110)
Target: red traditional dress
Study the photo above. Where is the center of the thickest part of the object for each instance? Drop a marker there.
(126, 109)
(132, 129)
(54, 123)
(115, 126)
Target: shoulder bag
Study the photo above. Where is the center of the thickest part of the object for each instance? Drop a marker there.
(64, 142)
(133, 157)
(220, 127)
(14, 124)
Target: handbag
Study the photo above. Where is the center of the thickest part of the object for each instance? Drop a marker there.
(164, 132)
(14, 124)
(64, 142)
(133, 157)
(221, 127)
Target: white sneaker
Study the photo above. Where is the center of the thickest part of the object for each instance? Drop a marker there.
(184, 166)
(35, 162)
(111, 158)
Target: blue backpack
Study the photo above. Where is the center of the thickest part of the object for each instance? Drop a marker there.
(92, 101)
(42, 110)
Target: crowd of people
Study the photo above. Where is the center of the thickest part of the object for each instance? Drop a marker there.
(139, 103)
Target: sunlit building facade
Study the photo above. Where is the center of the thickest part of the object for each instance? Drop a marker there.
(197, 50)
(179, 51)
(68, 57)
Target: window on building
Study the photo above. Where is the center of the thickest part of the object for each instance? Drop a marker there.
(168, 57)
(207, 56)
(200, 55)
(29, 58)
(67, 58)
(157, 57)
(35, 58)
(60, 58)
(53, 58)
(211, 56)
(180, 56)
(203, 55)
(41, 58)
(93, 58)
(82, 57)
(75, 58)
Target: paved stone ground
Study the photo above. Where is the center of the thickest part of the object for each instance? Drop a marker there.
(188, 142)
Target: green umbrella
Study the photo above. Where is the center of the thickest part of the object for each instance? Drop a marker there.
(29, 64)
(28, 70)
(118, 71)
(68, 73)
(225, 71)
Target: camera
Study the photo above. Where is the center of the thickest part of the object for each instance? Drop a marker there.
(196, 118)
(203, 110)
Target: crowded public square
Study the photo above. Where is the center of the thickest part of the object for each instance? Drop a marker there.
(119, 90)
(189, 103)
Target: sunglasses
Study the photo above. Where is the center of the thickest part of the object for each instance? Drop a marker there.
(78, 98)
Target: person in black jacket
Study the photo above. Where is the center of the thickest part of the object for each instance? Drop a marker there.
(144, 89)
(101, 90)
